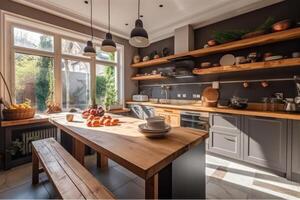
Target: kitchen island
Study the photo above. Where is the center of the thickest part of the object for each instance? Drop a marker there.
(172, 167)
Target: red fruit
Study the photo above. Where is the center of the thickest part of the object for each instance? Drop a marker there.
(85, 115)
(91, 117)
(96, 123)
(93, 111)
(89, 123)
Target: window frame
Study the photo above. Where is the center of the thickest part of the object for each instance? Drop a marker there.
(58, 34)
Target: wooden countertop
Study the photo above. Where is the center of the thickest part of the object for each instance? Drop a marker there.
(192, 107)
(127, 146)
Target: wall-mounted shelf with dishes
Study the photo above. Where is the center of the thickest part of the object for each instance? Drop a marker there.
(148, 77)
(239, 44)
(289, 62)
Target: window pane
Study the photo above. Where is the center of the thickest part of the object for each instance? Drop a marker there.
(34, 79)
(33, 40)
(75, 84)
(101, 55)
(106, 85)
(72, 47)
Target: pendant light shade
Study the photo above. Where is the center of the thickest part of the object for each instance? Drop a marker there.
(139, 36)
(108, 45)
(89, 50)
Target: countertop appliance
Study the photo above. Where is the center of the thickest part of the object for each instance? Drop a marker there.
(140, 98)
(197, 120)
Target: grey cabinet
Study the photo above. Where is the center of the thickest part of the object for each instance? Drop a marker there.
(265, 142)
(295, 151)
(225, 135)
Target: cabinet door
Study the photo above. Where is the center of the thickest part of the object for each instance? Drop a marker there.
(225, 135)
(295, 151)
(175, 120)
(265, 142)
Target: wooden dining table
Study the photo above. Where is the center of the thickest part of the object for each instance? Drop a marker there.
(172, 167)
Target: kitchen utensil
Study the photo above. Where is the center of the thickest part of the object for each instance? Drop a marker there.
(238, 103)
(210, 94)
(212, 43)
(146, 58)
(253, 57)
(154, 133)
(282, 25)
(205, 64)
(278, 57)
(290, 105)
(296, 54)
(140, 97)
(136, 59)
(227, 59)
(240, 60)
(69, 117)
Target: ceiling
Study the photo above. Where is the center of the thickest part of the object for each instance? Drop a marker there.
(160, 22)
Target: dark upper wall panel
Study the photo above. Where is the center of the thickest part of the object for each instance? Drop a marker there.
(158, 46)
(288, 9)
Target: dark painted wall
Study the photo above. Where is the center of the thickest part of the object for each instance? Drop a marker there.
(288, 9)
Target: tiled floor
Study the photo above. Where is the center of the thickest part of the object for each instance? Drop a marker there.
(225, 180)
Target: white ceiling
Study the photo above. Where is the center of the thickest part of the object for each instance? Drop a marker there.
(159, 22)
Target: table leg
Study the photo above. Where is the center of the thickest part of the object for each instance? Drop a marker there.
(151, 188)
(102, 161)
(79, 151)
(35, 168)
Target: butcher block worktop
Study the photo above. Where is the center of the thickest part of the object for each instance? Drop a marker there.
(197, 108)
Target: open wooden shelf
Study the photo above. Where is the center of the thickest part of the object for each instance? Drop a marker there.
(148, 77)
(240, 44)
(290, 62)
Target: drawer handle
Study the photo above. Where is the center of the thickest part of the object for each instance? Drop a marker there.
(231, 140)
(169, 111)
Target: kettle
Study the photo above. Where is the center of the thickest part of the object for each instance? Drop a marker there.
(290, 105)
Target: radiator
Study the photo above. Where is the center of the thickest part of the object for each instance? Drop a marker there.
(29, 136)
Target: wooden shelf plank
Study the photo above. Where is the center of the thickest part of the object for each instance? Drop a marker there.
(240, 44)
(290, 62)
(148, 77)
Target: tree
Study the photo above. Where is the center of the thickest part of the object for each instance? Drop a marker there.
(44, 76)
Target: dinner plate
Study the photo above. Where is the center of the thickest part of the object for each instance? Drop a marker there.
(154, 133)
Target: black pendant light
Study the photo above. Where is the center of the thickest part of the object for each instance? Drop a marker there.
(108, 45)
(89, 50)
(139, 36)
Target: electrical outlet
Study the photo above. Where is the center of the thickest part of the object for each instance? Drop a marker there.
(198, 96)
(179, 95)
(194, 96)
(183, 95)
(216, 84)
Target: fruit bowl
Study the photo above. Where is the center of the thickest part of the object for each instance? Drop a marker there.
(17, 114)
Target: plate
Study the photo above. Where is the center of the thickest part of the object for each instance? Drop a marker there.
(153, 133)
(227, 60)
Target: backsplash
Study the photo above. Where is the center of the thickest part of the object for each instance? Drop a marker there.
(255, 92)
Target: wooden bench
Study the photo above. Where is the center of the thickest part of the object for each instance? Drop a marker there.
(69, 177)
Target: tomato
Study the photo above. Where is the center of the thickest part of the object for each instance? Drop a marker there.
(91, 117)
(89, 123)
(93, 112)
(96, 123)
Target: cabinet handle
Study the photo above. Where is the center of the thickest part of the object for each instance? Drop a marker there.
(169, 111)
(231, 140)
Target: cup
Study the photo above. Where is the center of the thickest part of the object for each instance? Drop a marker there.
(156, 123)
(69, 117)
(240, 60)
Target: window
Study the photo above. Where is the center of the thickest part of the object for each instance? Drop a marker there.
(75, 84)
(106, 84)
(49, 66)
(33, 40)
(34, 79)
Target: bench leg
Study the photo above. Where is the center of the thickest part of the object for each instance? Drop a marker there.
(151, 187)
(102, 161)
(79, 151)
(35, 168)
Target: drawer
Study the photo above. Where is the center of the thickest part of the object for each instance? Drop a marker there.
(228, 123)
(167, 111)
(226, 144)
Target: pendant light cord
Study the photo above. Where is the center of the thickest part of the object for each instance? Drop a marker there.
(109, 16)
(92, 31)
(139, 6)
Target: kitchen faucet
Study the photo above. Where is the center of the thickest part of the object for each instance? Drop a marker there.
(165, 90)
